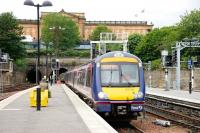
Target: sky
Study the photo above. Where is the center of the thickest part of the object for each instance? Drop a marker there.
(159, 12)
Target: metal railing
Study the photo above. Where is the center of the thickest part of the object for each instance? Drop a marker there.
(6, 66)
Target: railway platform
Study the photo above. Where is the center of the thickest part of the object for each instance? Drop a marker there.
(180, 95)
(65, 113)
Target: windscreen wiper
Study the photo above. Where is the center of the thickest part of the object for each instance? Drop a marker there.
(129, 83)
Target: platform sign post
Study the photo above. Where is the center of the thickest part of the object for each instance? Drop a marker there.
(190, 68)
(190, 62)
(166, 80)
(38, 100)
(57, 68)
(149, 73)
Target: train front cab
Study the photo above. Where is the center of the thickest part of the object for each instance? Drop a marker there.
(119, 85)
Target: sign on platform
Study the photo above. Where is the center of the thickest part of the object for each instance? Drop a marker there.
(190, 64)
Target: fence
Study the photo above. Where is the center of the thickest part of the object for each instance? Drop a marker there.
(158, 79)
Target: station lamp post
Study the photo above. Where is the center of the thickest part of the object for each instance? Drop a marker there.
(44, 4)
(166, 63)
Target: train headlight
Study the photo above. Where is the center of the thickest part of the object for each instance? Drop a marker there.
(102, 95)
(138, 95)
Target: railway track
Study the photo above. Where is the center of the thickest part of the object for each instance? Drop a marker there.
(185, 107)
(9, 90)
(184, 113)
(126, 127)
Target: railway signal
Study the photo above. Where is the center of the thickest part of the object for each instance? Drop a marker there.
(174, 57)
(168, 61)
(55, 64)
(198, 61)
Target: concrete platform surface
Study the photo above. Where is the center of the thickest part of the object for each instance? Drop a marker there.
(61, 116)
(194, 97)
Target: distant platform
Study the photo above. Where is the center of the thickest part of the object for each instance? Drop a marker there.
(181, 95)
(66, 113)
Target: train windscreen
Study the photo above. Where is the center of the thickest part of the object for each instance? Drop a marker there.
(119, 74)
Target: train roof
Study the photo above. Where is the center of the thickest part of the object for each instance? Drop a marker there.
(110, 54)
(117, 54)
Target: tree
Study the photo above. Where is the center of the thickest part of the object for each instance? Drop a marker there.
(133, 41)
(95, 36)
(149, 48)
(60, 30)
(169, 35)
(189, 25)
(10, 36)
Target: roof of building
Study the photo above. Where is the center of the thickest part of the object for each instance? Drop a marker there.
(79, 15)
(118, 22)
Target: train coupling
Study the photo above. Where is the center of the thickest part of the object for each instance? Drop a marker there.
(121, 110)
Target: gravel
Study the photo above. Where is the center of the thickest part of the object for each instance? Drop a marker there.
(148, 126)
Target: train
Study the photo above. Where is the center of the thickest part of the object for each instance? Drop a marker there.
(112, 84)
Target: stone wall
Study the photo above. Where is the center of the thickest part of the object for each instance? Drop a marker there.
(158, 79)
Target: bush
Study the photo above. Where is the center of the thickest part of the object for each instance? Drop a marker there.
(68, 53)
(75, 53)
(156, 64)
(21, 64)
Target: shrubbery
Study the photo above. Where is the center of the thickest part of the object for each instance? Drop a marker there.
(156, 64)
(68, 53)
(75, 53)
(21, 64)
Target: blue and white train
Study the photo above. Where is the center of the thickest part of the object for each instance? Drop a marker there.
(112, 84)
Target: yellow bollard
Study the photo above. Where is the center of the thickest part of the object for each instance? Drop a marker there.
(44, 98)
(32, 96)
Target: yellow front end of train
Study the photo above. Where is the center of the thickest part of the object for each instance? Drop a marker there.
(124, 84)
(120, 93)
(120, 84)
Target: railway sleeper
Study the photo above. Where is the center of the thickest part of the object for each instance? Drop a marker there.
(186, 120)
(175, 107)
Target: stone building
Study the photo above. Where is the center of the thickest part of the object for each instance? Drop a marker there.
(86, 27)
